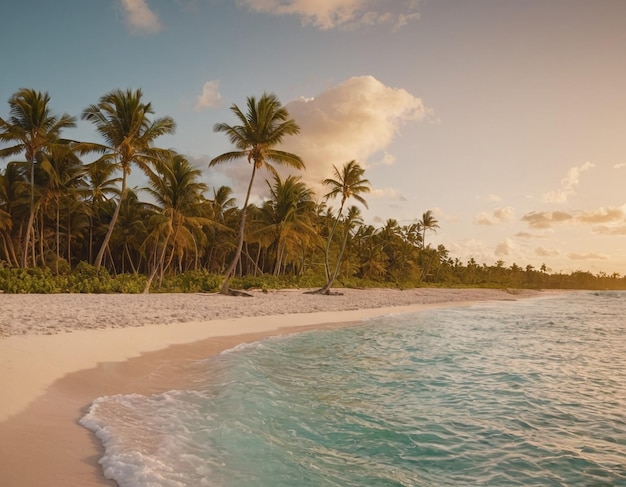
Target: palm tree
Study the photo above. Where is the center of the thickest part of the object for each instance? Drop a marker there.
(101, 186)
(60, 180)
(6, 222)
(32, 128)
(353, 219)
(428, 222)
(222, 209)
(287, 216)
(122, 119)
(179, 197)
(130, 231)
(14, 201)
(347, 183)
(262, 128)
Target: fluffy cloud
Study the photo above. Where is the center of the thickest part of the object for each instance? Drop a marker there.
(498, 215)
(543, 252)
(506, 247)
(612, 218)
(546, 219)
(569, 184)
(329, 14)
(139, 17)
(603, 215)
(620, 165)
(210, 97)
(357, 119)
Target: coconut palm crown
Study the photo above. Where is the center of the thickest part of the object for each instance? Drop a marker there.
(347, 183)
(30, 129)
(122, 120)
(264, 126)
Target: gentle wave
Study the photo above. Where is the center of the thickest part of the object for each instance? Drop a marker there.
(531, 392)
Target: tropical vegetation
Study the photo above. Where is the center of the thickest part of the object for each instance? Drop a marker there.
(70, 222)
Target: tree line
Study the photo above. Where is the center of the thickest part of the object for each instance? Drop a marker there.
(66, 205)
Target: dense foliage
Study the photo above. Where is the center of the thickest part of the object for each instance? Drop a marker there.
(70, 223)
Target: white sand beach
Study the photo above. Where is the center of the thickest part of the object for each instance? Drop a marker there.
(59, 352)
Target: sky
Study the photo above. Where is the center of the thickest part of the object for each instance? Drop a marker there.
(505, 118)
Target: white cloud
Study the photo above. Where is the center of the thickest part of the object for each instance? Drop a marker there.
(546, 219)
(210, 97)
(603, 215)
(569, 184)
(494, 198)
(498, 215)
(355, 120)
(544, 252)
(139, 17)
(329, 14)
(620, 165)
(506, 247)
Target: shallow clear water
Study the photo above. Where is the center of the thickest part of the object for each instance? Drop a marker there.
(531, 392)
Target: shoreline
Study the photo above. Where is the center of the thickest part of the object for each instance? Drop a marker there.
(49, 380)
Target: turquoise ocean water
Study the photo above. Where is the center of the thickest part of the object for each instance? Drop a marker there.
(530, 393)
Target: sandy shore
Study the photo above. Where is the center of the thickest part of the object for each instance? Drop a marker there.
(59, 352)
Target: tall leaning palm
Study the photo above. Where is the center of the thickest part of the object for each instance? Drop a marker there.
(347, 183)
(32, 128)
(263, 127)
(428, 222)
(122, 119)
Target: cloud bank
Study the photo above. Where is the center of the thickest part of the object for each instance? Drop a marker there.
(139, 17)
(547, 219)
(330, 14)
(356, 119)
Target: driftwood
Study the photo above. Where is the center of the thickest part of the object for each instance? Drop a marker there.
(326, 292)
(235, 292)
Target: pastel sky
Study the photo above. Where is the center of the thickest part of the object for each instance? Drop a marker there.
(506, 118)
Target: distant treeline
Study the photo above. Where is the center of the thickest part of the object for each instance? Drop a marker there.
(73, 225)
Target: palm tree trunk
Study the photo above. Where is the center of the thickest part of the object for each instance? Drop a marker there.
(110, 254)
(330, 238)
(158, 264)
(242, 226)
(69, 236)
(6, 248)
(112, 223)
(41, 241)
(31, 214)
(130, 259)
(11, 246)
(58, 238)
(90, 239)
(330, 282)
